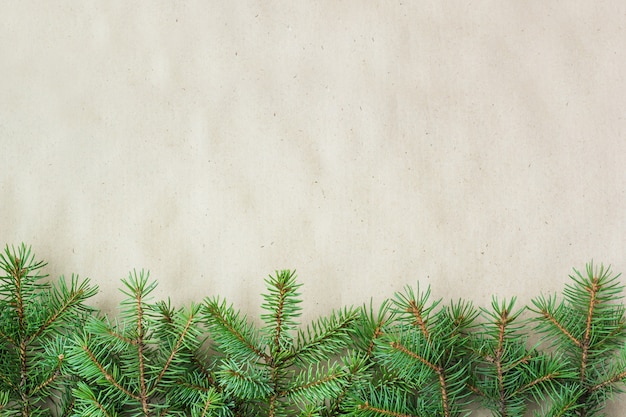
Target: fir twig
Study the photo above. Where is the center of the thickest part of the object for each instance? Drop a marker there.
(418, 355)
(506, 373)
(280, 369)
(588, 326)
(139, 367)
(36, 318)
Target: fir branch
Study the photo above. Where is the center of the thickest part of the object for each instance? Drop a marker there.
(231, 332)
(546, 308)
(110, 377)
(137, 367)
(66, 301)
(211, 402)
(411, 358)
(54, 375)
(268, 370)
(416, 311)
(324, 337)
(419, 354)
(94, 407)
(401, 348)
(200, 366)
(521, 361)
(318, 383)
(378, 401)
(356, 370)
(592, 289)
(376, 334)
(281, 304)
(109, 330)
(9, 383)
(367, 409)
(6, 336)
(182, 336)
(243, 381)
(438, 370)
(538, 381)
(35, 315)
(608, 382)
(370, 326)
(138, 290)
(590, 299)
(506, 372)
(414, 307)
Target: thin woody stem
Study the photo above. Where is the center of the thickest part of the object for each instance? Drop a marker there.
(140, 352)
(546, 314)
(368, 407)
(179, 342)
(398, 346)
(69, 302)
(279, 316)
(498, 360)
(52, 378)
(537, 381)
(593, 292)
(274, 372)
(272, 403)
(610, 381)
(18, 273)
(225, 323)
(416, 311)
(378, 332)
(8, 338)
(333, 377)
(205, 409)
(107, 375)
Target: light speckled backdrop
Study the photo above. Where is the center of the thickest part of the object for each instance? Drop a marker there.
(476, 147)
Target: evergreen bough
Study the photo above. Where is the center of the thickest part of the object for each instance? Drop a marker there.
(588, 327)
(411, 357)
(419, 357)
(37, 320)
(507, 374)
(280, 369)
(136, 366)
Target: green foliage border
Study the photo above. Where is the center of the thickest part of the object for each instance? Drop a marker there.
(577, 368)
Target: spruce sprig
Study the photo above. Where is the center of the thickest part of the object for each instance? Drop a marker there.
(135, 367)
(418, 352)
(588, 326)
(36, 319)
(280, 369)
(507, 374)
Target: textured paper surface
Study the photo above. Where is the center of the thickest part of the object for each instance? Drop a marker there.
(475, 147)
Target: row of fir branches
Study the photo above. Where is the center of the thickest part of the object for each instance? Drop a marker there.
(410, 356)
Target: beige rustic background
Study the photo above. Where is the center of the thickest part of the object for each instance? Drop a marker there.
(473, 146)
